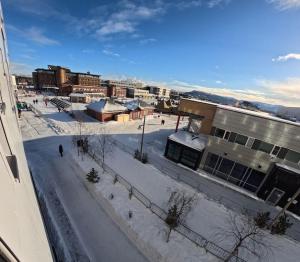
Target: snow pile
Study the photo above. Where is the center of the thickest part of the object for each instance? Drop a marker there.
(197, 142)
(144, 228)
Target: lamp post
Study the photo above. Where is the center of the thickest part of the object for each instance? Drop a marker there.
(142, 140)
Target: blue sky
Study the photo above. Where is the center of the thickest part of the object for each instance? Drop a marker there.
(249, 49)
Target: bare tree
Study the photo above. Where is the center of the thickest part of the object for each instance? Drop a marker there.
(104, 146)
(246, 237)
(179, 205)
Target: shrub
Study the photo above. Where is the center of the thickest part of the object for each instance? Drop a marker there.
(92, 176)
(281, 225)
(262, 219)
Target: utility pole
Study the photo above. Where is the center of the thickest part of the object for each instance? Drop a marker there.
(285, 207)
(142, 140)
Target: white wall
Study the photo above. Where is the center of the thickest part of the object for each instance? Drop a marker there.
(21, 225)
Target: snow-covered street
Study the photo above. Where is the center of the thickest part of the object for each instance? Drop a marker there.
(97, 234)
(99, 238)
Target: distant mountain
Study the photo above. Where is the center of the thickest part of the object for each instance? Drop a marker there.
(268, 107)
(231, 101)
(211, 97)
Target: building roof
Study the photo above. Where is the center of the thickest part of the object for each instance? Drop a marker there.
(245, 111)
(197, 142)
(104, 106)
(135, 104)
(77, 95)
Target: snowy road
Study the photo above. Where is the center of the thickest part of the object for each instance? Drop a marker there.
(100, 237)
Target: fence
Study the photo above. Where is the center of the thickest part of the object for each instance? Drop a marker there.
(182, 229)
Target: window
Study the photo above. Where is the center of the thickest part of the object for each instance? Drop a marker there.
(211, 161)
(219, 132)
(292, 156)
(237, 173)
(173, 151)
(250, 142)
(275, 150)
(232, 137)
(227, 134)
(189, 157)
(226, 166)
(282, 153)
(254, 180)
(240, 139)
(262, 146)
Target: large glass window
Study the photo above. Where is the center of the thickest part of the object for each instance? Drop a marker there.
(237, 173)
(262, 146)
(240, 139)
(173, 151)
(219, 132)
(254, 180)
(282, 153)
(210, 162)
(292, 156)
(226, 166)
(189, 157)
(232, 137)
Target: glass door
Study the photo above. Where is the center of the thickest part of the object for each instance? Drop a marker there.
(275, 196)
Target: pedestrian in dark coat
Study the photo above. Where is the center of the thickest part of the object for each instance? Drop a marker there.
(61, 150)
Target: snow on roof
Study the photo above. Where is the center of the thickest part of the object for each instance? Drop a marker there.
(77, 95)
(103, 106)
(133, 105)
(197, 142)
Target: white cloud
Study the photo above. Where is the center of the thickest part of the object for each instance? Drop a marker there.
(147, 41)
(110, 53)
(128, 17)
(219, 82)
(214, 3)
(188, 4)
(33, 34)
(286, 57)
(280, 92)
(285, 4)
(113, 27)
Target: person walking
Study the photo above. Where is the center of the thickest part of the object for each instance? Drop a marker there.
(61, 150)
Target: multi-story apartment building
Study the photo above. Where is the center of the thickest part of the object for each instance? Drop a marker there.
(159, 92)
(139, 93)
(252, 150)
(65, 80)
(22, 233)
(122, 83)
(23, 81)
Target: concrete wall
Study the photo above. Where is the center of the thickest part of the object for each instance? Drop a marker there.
(200, 109)
(21, 225)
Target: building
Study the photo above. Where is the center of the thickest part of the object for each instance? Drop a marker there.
(66, 81)
(251, 150)
(105, 110)
(116, 91)
(138, 109)
(23, 82)
(139, 93)
(159, 92)
(123, 83)
(79, 98)
(22, 232)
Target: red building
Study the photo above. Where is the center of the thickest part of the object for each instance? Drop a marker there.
(104, 110)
